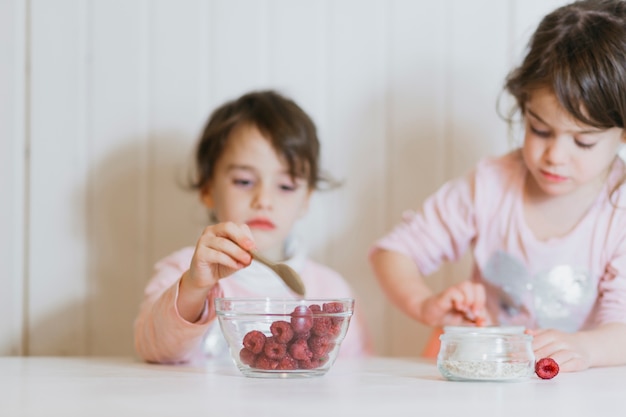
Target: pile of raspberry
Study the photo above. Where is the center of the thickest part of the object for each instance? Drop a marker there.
(302, 343)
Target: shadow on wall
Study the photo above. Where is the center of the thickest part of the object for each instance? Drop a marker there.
(137, 213)
(140, 212)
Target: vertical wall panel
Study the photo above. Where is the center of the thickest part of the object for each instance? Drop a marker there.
(357, 130)
(298, 68)
(178, 111)
(118, 144)
(417, 99)
(57, 248)
(238, 49)
(12, 181)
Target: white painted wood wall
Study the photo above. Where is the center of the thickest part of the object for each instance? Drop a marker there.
(101, 102)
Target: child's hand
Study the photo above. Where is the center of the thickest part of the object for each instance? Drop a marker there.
(462, 303)
(562, 347)
(221, 250)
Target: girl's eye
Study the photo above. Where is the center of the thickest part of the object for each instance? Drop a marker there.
(242, 182)
(288, 187)
(540, 133)
(583, 145)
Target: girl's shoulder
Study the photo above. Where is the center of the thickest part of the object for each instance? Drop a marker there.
(496, 173)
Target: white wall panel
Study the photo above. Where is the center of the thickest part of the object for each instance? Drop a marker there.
(58, 251)
(357, 130)
(178, 85)
(417, 124)
(119, 213)
(13, 142)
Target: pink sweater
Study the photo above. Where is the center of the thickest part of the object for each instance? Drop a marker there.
(569, 283)
(162, 335)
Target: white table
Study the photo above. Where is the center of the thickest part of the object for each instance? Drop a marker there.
(119, 387)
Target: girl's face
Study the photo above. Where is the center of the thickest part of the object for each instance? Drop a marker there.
(251, 184)
(564, 156)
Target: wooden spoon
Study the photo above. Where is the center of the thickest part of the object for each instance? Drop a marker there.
(285, 272)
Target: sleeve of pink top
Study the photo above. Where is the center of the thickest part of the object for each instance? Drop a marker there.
(612, 288)
(441, 231)
(161, 334)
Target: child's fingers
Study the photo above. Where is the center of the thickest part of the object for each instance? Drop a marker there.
(469, 297)
(226, 243)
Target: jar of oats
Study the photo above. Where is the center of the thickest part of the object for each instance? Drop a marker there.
(491, 353)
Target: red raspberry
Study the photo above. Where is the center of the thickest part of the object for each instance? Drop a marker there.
(298, 336)
(334, 331)
(287, 363)
(247, 357)
(546, 368)
(273, 349)
(282, 331)
(254, 341)
(333, 308)
(321, 326)
(300, 350)
(312, 363)
(263, 362)
(301, 319)
(320, 346)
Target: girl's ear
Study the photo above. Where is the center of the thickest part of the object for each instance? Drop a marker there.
(206, 198)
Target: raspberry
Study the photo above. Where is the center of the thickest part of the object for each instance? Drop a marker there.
(287, 363)
(321, 326)
(320, 346)
(312, 363)
(546, 368)
(334, 308)
(273, 349)
(282, 331)
(247, 357)
(334, 331)
(301, 319)
(254, 341)
(298, 336)
(300, 350)
(315, 308)
(263, 362)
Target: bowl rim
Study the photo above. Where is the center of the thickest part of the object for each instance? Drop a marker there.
(349, 301)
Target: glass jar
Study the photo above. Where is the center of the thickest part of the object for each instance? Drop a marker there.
(493, 353)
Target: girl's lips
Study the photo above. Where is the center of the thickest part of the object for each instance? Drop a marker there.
(553, 177)
(261, 224)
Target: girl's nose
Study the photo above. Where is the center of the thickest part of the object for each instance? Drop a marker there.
(556, 150)
(262, 198)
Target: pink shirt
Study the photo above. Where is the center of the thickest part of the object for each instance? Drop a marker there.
(162, 335)
(569, 283)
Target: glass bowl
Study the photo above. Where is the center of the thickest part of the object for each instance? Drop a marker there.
(469, 353)
(284, 338)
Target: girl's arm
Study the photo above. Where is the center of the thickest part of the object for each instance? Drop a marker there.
(602, 346)
(404, 284)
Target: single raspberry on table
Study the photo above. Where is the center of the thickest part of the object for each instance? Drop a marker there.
(546, 368)
(254, 341)
(274, 349)
(282, 331)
